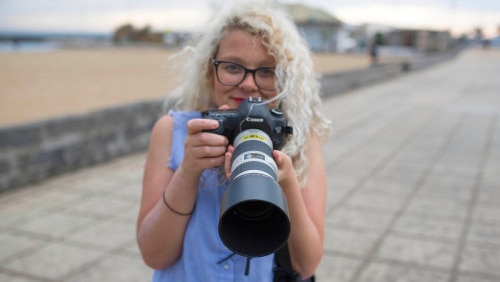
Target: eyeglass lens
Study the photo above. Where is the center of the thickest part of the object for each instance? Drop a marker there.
(233, 74)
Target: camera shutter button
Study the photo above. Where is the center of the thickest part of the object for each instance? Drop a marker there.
(219, 129)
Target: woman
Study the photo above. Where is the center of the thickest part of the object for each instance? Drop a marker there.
(177, 223)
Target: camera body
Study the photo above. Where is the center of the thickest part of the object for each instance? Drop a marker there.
(251, 114)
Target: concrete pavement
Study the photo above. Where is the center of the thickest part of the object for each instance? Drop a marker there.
(414, 191)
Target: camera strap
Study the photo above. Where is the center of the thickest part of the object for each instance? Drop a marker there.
(226, 258)
(247, 266)
(284, 271)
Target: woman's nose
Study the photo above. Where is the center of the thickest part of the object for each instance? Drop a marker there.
(249, 82)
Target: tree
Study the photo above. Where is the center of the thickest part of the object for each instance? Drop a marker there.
(127, 33)
(124, 34)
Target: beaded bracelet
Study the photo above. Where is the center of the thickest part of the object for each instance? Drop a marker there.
(173, 210)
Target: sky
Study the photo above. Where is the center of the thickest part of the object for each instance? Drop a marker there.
(103, 16)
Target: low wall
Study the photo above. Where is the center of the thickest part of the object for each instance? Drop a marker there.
(33, 152)
(341, 82)
(36, 151)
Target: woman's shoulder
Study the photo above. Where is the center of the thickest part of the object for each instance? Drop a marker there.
(175, 121)
(184, 114)
(161, 133)
(180, 118)
(164, 124)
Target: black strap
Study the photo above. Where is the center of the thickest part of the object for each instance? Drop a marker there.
(247, 267)
(284, 271)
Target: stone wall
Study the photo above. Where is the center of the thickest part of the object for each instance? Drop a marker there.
(36, 151)
(341, 82)
(33, 152)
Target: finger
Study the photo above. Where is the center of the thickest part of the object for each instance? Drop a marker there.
(224, 107)
(212, 139)
(277, 157)
(281, 159)
(199, 158)
(210, 162)
(206, 139)
(227, 163)
(198, 125)
(209, 151)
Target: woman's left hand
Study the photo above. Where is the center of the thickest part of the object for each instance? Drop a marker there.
(286, 172)
(227, 163)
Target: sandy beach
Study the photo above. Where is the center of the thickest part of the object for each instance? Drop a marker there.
(37, 86)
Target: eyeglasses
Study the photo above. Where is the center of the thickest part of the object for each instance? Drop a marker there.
(232, 74)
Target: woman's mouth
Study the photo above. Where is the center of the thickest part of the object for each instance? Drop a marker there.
(238, 100)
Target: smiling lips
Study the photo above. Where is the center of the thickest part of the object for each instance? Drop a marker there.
(238, 100)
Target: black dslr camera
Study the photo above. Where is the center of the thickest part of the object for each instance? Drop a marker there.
(254, 218)
(251, 114)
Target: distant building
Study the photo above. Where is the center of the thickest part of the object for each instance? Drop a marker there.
(424, 41)
(345, 39)
(319, 28)
(175, 39)
(495, 42)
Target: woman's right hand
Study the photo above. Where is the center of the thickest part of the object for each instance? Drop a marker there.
(160, 231)
(203, 150)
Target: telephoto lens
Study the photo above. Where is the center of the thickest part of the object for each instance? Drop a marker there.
(254, 215)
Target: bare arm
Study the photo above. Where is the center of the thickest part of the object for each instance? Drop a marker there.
(160, 231)
(306, 209)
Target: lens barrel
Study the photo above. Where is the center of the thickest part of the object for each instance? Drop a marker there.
(254, 218)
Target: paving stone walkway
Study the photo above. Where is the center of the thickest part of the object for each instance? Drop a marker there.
(414, 191)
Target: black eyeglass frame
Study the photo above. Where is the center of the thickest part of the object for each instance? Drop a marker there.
(216, 64)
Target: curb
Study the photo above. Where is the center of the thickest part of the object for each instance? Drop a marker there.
(342, 82)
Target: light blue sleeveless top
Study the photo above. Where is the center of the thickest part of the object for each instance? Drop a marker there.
(204, 256)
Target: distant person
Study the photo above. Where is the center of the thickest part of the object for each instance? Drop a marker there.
(16, 44)
(250, 50)
(361, 46)
(373, 51)
(485, 44)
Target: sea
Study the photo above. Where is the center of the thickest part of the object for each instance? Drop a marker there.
(11, 42)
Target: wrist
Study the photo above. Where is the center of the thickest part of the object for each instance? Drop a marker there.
(187, 178)
(188, 172)
(175, 211)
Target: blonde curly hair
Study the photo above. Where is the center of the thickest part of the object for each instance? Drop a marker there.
(298, 86)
